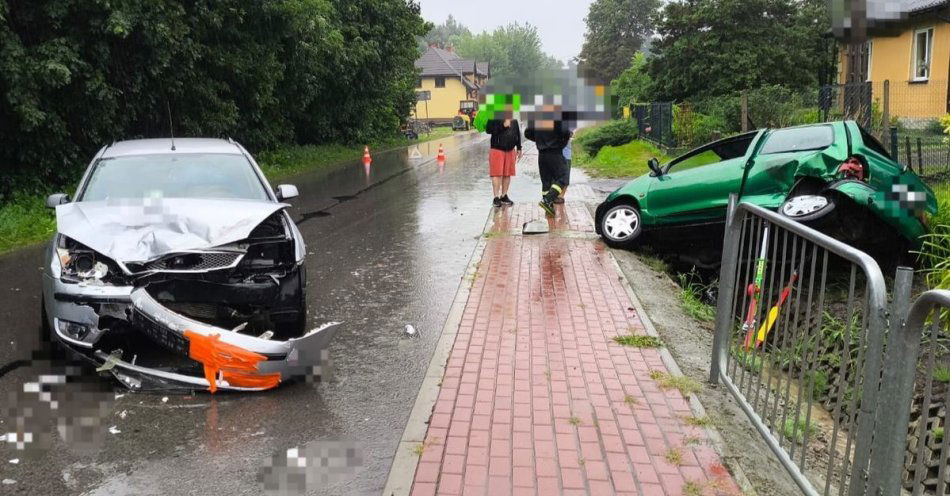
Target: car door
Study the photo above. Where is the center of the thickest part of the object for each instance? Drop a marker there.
(695, 188)
(773, 168)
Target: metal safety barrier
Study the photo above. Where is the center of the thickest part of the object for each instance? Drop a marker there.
(799, 328)
(801, 339)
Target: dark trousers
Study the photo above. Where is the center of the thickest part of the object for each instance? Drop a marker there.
(553, 169)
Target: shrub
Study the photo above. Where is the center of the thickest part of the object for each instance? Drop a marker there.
(935, 252)
(613, 133)
(934, 126)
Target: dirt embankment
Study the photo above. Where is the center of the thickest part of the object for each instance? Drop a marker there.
(690, 343)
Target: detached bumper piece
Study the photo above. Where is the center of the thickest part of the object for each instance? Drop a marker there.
(231, 360)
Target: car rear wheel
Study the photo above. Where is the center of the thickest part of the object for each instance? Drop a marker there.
(806, 208)
(621, 226)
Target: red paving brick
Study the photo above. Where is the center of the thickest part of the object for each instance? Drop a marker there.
(534, 399)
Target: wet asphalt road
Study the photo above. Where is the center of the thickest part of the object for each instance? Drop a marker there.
(386, 247)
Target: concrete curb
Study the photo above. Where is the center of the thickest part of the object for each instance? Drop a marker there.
(403, 470)
(694, 403)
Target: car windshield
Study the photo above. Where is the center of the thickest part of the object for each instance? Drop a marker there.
(798, 138)
(193, 175)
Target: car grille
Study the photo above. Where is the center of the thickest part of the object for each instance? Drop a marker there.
(159, 333)
(188, 262)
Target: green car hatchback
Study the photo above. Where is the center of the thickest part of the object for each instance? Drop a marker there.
(833, 176)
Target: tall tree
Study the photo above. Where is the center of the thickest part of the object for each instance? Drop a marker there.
(616, 29)
(715, 47)
(445, 34)
(633, 84)
(514, 51)
(76, 74)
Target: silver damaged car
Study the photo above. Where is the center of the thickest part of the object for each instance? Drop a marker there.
(177, 266)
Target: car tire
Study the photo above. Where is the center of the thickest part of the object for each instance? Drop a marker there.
(808, 208)
(621, 225)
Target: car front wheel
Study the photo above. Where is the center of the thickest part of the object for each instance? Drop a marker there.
(621, 226)
(805, 208)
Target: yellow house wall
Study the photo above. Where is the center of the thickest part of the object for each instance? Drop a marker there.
(891, 59)
(445, 101)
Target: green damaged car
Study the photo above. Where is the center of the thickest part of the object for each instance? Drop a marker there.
(835, 177)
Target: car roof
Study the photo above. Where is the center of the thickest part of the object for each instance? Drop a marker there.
(164, 145)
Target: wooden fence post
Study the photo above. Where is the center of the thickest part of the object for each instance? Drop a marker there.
(745, 111)
(886, 118)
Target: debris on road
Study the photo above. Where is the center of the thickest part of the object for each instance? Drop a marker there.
(410, 331)
(114, 430)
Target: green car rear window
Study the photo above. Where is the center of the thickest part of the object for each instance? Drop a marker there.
(799, 138)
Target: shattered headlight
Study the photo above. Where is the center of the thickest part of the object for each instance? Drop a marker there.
(83, 264)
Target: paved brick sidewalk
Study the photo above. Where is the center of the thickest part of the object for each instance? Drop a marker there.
(538, 399)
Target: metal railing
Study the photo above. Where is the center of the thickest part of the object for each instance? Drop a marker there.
(915, 396)
(801, 339)
(799, 328)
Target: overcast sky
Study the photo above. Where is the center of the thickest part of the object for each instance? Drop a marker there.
(560, 23)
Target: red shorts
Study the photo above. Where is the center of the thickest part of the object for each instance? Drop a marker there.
(502, 163)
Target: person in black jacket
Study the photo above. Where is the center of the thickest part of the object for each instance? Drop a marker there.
(505, 140)
(550, 138)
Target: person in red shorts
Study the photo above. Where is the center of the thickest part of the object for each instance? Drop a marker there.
(505, 152)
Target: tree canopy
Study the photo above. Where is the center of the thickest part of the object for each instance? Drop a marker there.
(634, 83)
(716, 47)
(76, 74)
(513, 51)
(444, 35)
(616, 29)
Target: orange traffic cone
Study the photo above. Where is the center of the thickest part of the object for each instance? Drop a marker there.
(441, 156)
(366, 158)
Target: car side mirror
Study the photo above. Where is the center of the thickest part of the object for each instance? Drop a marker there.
(654, 165)
(286, 192)
(56, 199)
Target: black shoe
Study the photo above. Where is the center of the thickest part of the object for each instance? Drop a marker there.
(507, 201)
(496, 202)
(548, 207)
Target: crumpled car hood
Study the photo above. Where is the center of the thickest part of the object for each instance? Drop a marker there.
(143, 230)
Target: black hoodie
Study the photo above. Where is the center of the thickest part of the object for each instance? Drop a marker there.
(504, 138)
(549, 139)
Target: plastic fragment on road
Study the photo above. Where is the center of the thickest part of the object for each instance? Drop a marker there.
(410, 331)
(110, 362)
(114, 430)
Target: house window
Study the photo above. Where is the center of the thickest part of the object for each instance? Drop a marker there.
(440, 82)
(923, 44)
(418, 82)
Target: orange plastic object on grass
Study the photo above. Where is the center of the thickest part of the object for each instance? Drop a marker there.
(237, 365)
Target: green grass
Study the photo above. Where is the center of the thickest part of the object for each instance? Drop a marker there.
(693, 488)
(25, 220)
(674, 456)
(942, 374)
(628, 160)
(935, 252)
(698, 421)
(685, 385)
(653, 262)
(795, 429)
(637, 341)
(691, 300)
(748, 360)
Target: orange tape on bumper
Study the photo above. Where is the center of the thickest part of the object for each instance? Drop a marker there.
(237, 365)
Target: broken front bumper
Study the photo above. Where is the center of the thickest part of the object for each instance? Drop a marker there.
(230, 360)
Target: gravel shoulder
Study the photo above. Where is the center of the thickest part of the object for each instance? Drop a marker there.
(690, 343)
